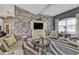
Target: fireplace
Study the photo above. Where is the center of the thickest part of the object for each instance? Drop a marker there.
(38, 28)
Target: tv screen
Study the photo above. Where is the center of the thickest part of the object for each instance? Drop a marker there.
(38, 25)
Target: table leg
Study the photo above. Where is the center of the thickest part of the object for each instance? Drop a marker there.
(40, 51)
(34, 47)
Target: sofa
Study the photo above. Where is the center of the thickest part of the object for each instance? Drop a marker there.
(10, 44)
(2, 33)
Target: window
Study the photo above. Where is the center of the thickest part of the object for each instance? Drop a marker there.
(68, 25)
(62, 23)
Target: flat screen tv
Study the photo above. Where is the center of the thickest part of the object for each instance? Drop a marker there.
(38, 25)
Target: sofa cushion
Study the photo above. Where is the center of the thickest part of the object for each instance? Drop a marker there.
(10, 40)
(16, 46)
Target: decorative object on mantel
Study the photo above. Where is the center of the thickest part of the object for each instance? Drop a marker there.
(39, 19)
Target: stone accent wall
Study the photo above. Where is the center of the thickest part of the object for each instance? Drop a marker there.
(23, 18)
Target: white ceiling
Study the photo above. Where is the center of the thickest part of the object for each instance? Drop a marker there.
(6, 9)
(33, 8)
(45, 9)
(58, 8)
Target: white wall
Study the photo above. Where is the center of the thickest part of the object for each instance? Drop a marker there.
(6, 10)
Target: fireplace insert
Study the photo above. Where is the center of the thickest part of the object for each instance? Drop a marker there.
(38, 25)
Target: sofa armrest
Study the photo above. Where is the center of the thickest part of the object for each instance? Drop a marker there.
(28, 50)
(1, 53)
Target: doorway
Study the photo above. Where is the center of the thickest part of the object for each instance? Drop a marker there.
(7, 28)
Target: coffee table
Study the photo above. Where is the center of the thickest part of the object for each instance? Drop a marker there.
(41, 43)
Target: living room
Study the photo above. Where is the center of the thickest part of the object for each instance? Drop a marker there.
(39, 29)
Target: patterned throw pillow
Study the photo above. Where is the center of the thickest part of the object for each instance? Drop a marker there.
(10, 40)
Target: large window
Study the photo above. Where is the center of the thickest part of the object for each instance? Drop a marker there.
(68, 25)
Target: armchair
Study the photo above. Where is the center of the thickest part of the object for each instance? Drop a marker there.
(53, 34)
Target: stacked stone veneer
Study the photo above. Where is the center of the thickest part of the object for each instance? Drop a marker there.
(23, 18)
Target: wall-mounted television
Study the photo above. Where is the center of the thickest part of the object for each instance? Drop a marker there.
(38, 25)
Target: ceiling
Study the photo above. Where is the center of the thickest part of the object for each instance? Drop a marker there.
(45, 9)
(6, 10)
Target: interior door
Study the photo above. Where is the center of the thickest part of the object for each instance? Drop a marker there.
(7, 28)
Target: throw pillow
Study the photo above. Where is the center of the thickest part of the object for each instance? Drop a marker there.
(10, 40)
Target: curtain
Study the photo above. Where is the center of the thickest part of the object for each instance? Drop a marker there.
(56, 25)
